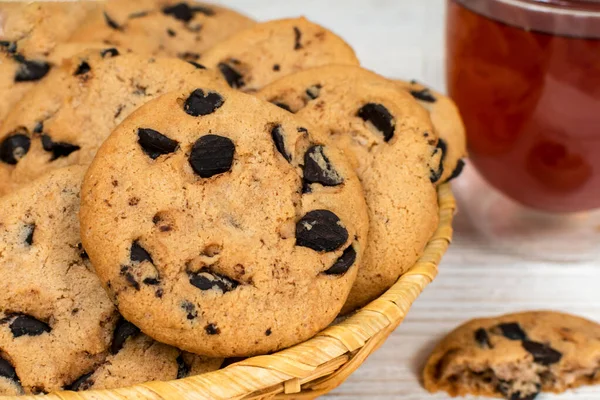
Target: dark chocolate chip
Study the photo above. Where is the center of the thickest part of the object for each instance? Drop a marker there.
(83, 68)
(234, 78)
(82, 253)
(171, 32)
(276, 67)
(197, 65)
(111, 22)
(542, 354)
(283, 105)
(279, 140)
(313, 92)
(139, 254)
(460, 165)
(180, 11)
(423, 95)
(10, 47)
(203, 103)
(38, 128)
(212, 155)
(183, 369)
(297, 38)
(302, 130)
(58, 149)
(318, 168)
(112, 52)
(212, 329)
(123, 331)
(483, 339)
(190, 309)
(28, 325)
(512, 331)
(30, 232)
(321, 230)
(155, 144)
(207, 280)
(151, 281)
(268, 332)
(380, 117)
(7, 370)
(31, 70)
(126, 272)
(82, 383)
(343, 264)
(435, 175)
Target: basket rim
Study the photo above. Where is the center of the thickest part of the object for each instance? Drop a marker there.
(323, 361)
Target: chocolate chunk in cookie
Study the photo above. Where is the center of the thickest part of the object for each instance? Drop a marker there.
(279, 140)
(318, 168)
(14, 147)
(321, 230)
(27, 325)
(212, 155)
(201, 103)
(58, 149)
(380, 118)
(155, 144)
(344, 263)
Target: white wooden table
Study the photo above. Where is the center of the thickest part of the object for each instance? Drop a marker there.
(405, 39)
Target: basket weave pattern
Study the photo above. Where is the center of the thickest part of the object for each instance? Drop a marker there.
(314, 367)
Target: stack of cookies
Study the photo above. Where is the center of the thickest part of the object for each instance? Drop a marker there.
(181, 185)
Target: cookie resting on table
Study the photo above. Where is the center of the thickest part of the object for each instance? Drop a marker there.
(65, 118)
(268, 51)
(391, 143)
(516, 356)
(222, 224)
(448, 124)
(162, 27)
(58, 328)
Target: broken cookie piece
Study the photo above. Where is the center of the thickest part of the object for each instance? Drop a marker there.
(516, 356)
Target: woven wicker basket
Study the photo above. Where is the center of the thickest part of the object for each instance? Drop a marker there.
(314, 367)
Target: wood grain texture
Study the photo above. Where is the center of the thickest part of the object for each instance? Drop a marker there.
(405, 39)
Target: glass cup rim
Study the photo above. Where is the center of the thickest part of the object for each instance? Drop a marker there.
(542, 16)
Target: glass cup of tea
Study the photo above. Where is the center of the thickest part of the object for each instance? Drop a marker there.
(526, 77)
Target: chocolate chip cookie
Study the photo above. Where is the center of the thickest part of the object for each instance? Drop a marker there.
(65, 118)
(222, 224)
(391, 144)
(163, 27)
(266, 52)
(448, 123)
(29, 32)
(58, 328)
(516, 356)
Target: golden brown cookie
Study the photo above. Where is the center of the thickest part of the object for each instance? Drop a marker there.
(391, 143)
(266, 52)
(58, 328)
(162, 27)
(448, 124)
(29, 32)
(222, 224)
(67, 116)
(516, 356)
